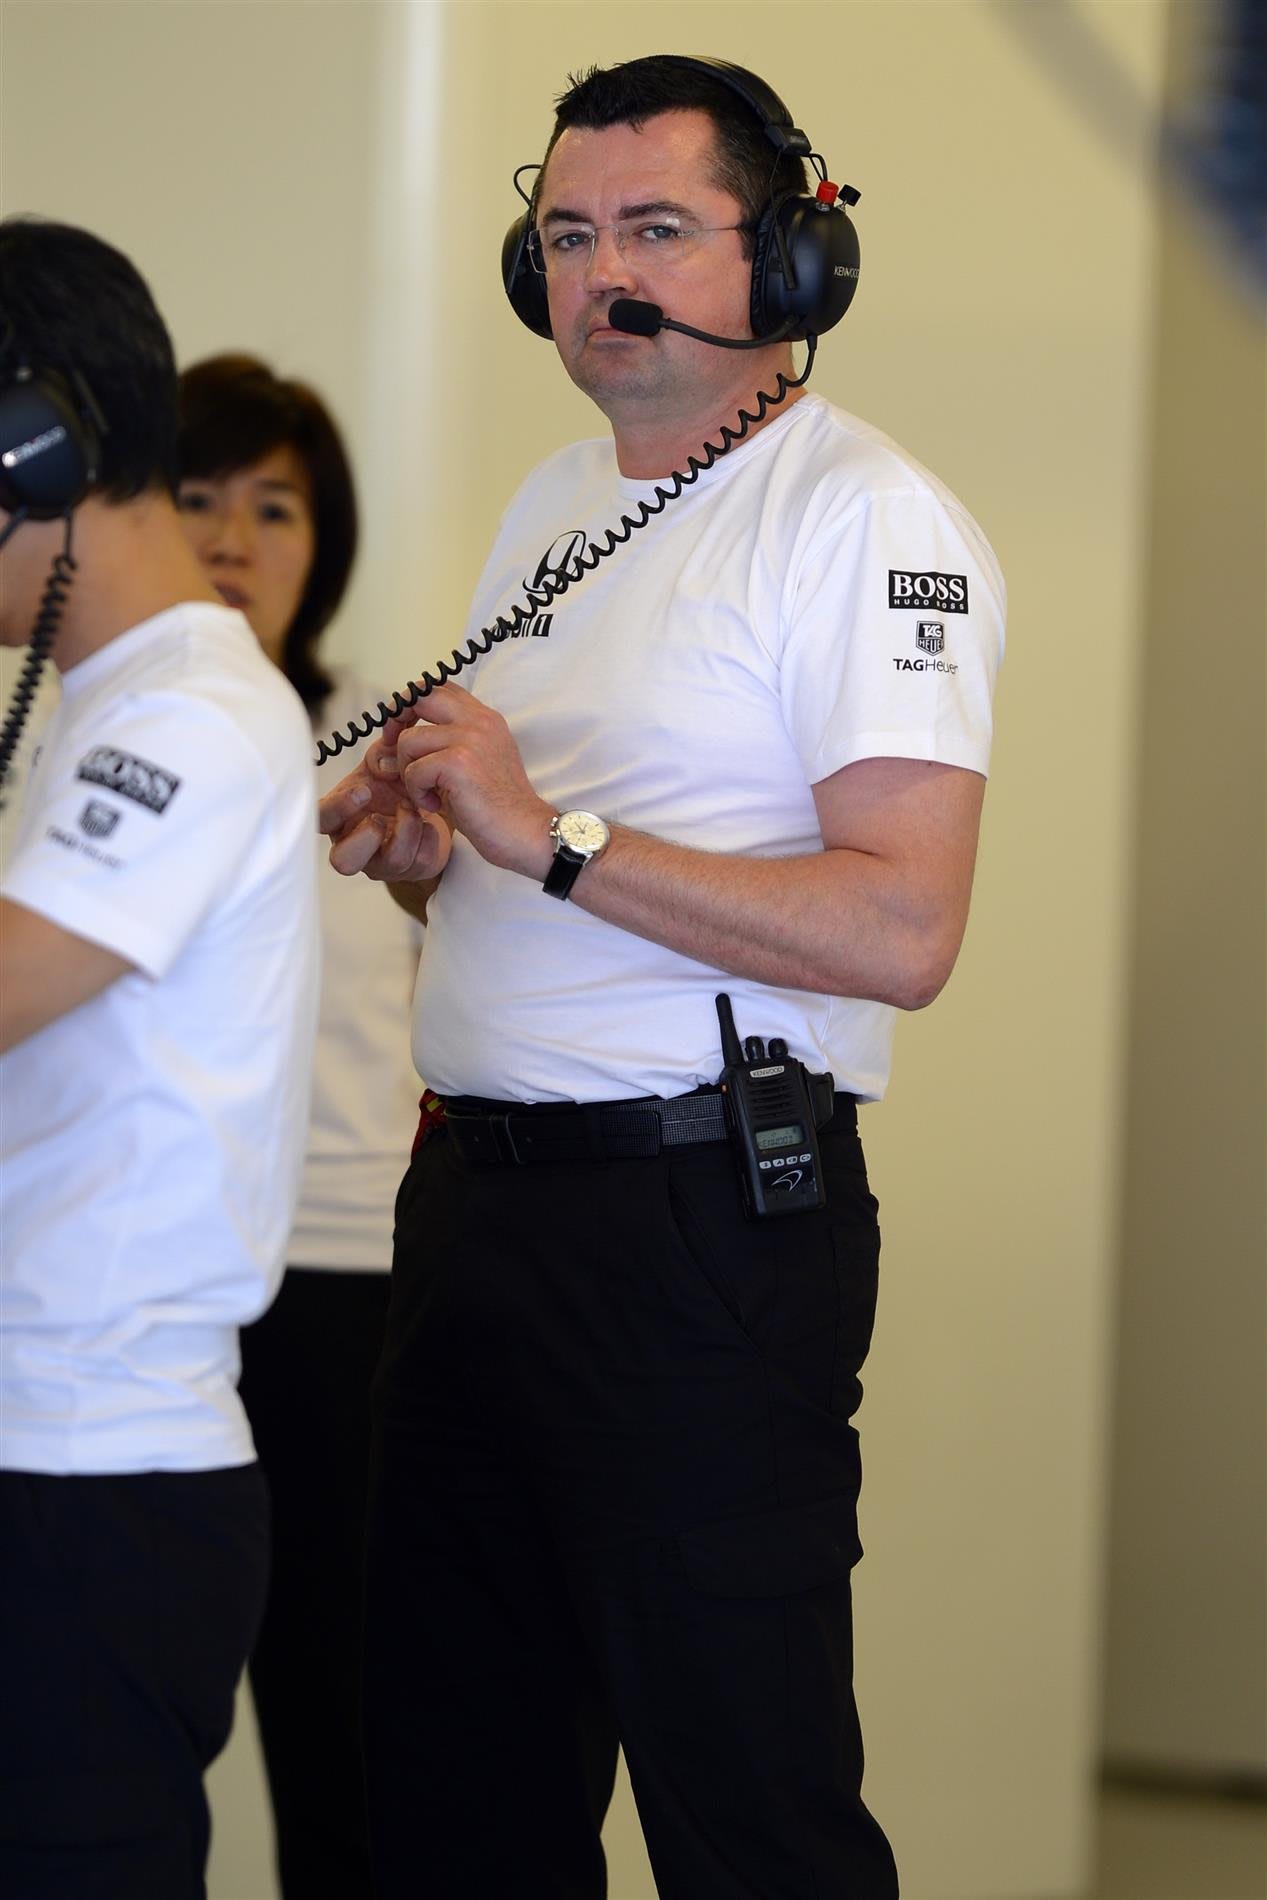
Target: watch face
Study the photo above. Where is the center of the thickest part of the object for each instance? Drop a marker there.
(581, 831)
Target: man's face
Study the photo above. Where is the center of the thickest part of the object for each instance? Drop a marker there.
(643, 180)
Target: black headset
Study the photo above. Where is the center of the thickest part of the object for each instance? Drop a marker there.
(50, 457)
(805, 264)
(50, 443)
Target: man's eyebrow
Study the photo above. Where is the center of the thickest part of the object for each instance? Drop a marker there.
(558, 214)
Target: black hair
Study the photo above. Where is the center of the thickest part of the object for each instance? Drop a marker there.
(745, 164)
(69, 301)
(233, 411)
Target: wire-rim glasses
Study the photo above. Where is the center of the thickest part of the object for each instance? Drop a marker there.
(657, 242)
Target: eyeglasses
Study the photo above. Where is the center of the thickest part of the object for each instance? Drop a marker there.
(651, 242)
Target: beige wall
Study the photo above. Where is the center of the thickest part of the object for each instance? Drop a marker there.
(1186, 1633)
(329, 183)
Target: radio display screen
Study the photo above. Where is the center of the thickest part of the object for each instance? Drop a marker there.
(788, 1137)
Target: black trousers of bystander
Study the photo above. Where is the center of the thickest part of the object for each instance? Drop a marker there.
(613, 1495)
(127, 1607)
(306, 1372)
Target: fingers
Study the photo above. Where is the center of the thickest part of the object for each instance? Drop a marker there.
(439, 843)
(357, 848)
(342, 805)
(442, 705)
(413, 846)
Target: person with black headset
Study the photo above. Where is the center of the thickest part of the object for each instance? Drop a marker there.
(703, 822)
(158, 984)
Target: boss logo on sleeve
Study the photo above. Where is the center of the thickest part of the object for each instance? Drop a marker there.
(948, 593)
(150, 785)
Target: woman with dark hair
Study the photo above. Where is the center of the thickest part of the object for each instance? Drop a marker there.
(268, 503)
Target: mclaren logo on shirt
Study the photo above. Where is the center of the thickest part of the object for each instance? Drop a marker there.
(562, 557)
(944, 593)
(150, 785)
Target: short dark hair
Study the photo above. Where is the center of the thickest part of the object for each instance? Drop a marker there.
(69, 301)
(233, 411)
(746, 164)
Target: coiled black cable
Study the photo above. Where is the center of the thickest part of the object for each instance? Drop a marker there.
(43, 633)
(536, 599)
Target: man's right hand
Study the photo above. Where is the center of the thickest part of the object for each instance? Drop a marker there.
(375, 828)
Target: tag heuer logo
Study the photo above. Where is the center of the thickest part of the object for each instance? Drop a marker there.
(930, 636)
(945, 593)
(150, 785)
(98, 820)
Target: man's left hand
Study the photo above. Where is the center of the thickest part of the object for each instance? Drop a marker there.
(460, 759)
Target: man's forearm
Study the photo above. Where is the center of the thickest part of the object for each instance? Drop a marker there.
(840, 922)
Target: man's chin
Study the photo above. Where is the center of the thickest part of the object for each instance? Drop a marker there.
(609, 372)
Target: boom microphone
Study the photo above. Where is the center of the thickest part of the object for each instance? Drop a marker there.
(647, 319)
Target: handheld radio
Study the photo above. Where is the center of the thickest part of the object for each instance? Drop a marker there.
(774, 1107)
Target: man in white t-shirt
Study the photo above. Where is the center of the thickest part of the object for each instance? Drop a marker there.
(743, 730)
(157, 1005)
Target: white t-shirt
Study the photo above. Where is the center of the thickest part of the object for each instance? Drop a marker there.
(364, 1089)
(152, 1137)
(814, 599)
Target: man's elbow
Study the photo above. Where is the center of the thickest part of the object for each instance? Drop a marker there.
(919, 972)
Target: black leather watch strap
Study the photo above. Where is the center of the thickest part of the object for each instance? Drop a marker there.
(563, 873)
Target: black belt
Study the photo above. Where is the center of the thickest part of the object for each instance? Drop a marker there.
(515, 1133)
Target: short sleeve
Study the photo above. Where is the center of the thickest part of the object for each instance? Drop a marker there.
(894, 636)
(132, 836)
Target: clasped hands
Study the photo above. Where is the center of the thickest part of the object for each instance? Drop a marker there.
(448, 764)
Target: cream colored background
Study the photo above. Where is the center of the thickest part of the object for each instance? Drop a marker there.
(329, 184)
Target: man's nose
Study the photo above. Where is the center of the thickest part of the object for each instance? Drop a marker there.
(608, 267)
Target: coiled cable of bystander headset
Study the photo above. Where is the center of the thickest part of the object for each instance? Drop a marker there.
(43, 633)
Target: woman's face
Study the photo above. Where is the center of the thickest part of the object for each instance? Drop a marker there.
(253, 532)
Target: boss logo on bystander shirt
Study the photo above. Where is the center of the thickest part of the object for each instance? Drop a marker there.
(947, 592)
(150, 785)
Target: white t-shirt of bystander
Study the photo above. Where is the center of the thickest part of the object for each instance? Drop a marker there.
(364, 1086)
(151, 1139)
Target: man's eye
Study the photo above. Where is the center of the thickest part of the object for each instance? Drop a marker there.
(659, 233)
(570, 241)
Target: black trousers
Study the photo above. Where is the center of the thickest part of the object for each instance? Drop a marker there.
(613, 1495)
(306, 1372)
(127, 1606)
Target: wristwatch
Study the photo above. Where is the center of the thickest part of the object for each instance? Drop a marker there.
(578, 836)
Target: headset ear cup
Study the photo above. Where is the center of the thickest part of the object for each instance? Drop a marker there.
(525, 286)
(36, 415)
(822, 245)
